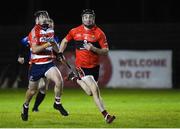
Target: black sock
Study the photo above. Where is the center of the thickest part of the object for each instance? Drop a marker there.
(39, 99)
(104, 113)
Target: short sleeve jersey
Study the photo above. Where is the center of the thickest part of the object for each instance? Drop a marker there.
(39, 36)
(95, 36)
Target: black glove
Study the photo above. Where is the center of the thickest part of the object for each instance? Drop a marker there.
(60, 56)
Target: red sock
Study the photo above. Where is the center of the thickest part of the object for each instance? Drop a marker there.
(104, 113)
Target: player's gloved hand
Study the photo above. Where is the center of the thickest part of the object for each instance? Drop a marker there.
(60, 57)
(21, 60)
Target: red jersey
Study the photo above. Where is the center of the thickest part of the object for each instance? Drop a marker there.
(95, 36)
(39, 36)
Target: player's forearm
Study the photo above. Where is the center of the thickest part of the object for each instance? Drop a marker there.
(100, 51)
(63, 45)
(37, 49)
(56, 48)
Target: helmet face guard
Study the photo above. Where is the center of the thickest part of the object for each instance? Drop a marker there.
(88, 18)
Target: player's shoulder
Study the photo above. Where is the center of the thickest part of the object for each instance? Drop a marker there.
(77, 28)
(36, 28)
(35, 31)
(99, 30)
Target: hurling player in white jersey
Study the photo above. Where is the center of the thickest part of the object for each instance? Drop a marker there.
(42, 63)
(44, 83)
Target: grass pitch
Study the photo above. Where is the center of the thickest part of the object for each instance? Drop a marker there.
(133, 109)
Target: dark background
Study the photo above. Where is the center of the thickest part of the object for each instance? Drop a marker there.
(128, 24)
(108, 12)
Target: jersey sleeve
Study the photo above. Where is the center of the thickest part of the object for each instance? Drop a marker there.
(56, 39)
(23, 49)
(25, 41)
(103, 41)
(69, 36)
(33, 37)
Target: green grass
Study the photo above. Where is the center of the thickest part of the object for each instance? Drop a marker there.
(133, 109)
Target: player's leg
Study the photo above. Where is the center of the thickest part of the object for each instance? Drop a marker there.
(35, 73)
(95, 91)
(73, 77)
(32, 88)
(97, 97)
(41, 94)
(54, 74)
(76, 78)
(85, 87)
(91, 78)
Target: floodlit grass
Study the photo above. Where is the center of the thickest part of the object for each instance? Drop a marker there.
(133, 108)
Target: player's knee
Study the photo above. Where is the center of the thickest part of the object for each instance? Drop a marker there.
(41, 83)
(58, 83)
(89, 93)
(32, 91)
(94, 90)
(92, 85)
(42, 90)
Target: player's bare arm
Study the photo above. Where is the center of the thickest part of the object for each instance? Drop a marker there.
(63, 45)
(38, 48)
(55, 48)
(100, 51)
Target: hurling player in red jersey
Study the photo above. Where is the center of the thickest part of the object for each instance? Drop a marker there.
(42, 65)
(90, 42)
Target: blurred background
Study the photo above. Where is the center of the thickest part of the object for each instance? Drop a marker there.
(143, 37)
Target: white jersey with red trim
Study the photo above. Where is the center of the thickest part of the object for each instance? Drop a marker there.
(39, 36)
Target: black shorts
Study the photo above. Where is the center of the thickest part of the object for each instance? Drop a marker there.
(92, 71)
